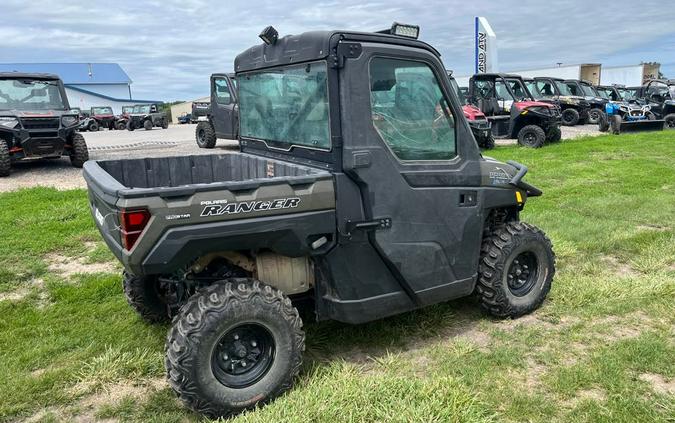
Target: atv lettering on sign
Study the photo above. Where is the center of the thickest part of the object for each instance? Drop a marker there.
(249, 206)
(482, 52)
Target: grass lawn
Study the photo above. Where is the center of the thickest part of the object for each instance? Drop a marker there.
(602, 348)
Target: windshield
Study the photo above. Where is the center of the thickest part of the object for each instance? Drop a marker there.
(588, 90)
(628, 93)
(286, 105)
(460, 94)
(127, 109)
(563, 88)
(605, 93)
(26, 94)
(532, 87)
(143, 108)
(101, 110)
(518, 89)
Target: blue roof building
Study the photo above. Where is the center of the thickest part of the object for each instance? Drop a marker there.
(87, 84)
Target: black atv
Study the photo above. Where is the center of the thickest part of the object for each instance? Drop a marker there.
(660, 95)
(147, 116)
(222, 120)
(587, 90)
(573, 109)
(36, 121)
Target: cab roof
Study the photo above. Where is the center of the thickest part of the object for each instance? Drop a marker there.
(496, 75)
(28, 75)
(313, 45)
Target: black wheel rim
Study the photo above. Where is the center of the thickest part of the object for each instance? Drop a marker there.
(243, 355)
(594, 116)
(670, 123)
(530, 138)
(522, 274)
(200, 136)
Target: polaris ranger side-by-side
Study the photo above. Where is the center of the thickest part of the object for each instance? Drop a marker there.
(512, 110)
(222, 120)
(587, 90)
(359, 189)
(36, 121)
(480, 126)
(573, 109)
(147, 116)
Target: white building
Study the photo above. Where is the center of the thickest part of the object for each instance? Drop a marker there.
(87, 84)
(630, 76)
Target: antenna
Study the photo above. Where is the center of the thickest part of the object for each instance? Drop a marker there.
(91, 73)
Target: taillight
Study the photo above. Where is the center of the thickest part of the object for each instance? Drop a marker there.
(133, 222)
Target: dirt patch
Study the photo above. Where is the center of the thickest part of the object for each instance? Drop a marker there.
(25, 290)
(477, 337)
(593, 394)
(659, 384)
(619, 268)
(651, 227)
(70, 266)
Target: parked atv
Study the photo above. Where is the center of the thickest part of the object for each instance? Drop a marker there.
(123, 118)
(480, 126)
(200, 109)
(573, 109)
(358, 192)
(512, 111)
(36, 121)
(660, 95)
(587, 90)
(624, 116)
(184, 119)
(104, 117)
(147, 116)
(222, 120)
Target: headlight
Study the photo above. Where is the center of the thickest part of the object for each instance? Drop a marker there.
(9, 122)
(539, 109)
(69, 120)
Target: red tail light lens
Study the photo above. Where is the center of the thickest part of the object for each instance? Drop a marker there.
(133, 222)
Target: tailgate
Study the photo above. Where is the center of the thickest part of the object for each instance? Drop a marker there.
(103, 195)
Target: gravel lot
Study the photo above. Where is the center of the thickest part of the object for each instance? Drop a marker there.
(177, 140)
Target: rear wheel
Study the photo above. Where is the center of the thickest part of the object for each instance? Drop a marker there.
(570, 117)
(234, 345)
(147, 124)
(670, 121)
(5, 159)
(205, 135)
(146, 297)
(516, 269)
(165, 123)
(93, 126)
(603, 123)
(79, 153)
(531, 136)
(615, 124)
(594, 116)
(130, 125)
(121, 126)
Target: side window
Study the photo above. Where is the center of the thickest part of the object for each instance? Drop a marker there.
(223, 95)
(574, 89)
(409, 110)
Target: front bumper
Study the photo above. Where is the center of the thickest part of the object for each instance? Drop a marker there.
(38, 138)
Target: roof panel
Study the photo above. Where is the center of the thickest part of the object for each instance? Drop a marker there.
(75, 73)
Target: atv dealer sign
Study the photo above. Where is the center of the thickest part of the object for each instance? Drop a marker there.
(486, 47)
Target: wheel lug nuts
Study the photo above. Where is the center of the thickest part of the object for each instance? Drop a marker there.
(236, 337)
(254, 344)
(243, 364)
(226, 357)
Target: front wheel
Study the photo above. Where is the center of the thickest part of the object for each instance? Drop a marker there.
(670, 121)
(79, 153)
(130, 125)
(121, 126)
(205, 135)
(165, 123)
(554, 134)
(234, 345)
(615, 124)
(570, 117)
(594, 116)
(603, 123)
(5, 159)
(531, 136)
(516, 269)
(93, 127)
(147, 125)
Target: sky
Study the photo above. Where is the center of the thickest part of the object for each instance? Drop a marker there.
(169, 48)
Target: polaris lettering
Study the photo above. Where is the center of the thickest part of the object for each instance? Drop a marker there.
(249, 206)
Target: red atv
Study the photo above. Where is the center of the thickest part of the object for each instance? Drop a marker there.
(102, 117)
(480, 126)
(512, 110)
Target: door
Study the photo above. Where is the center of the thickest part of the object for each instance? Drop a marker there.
(416, 165)
(224, 110)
